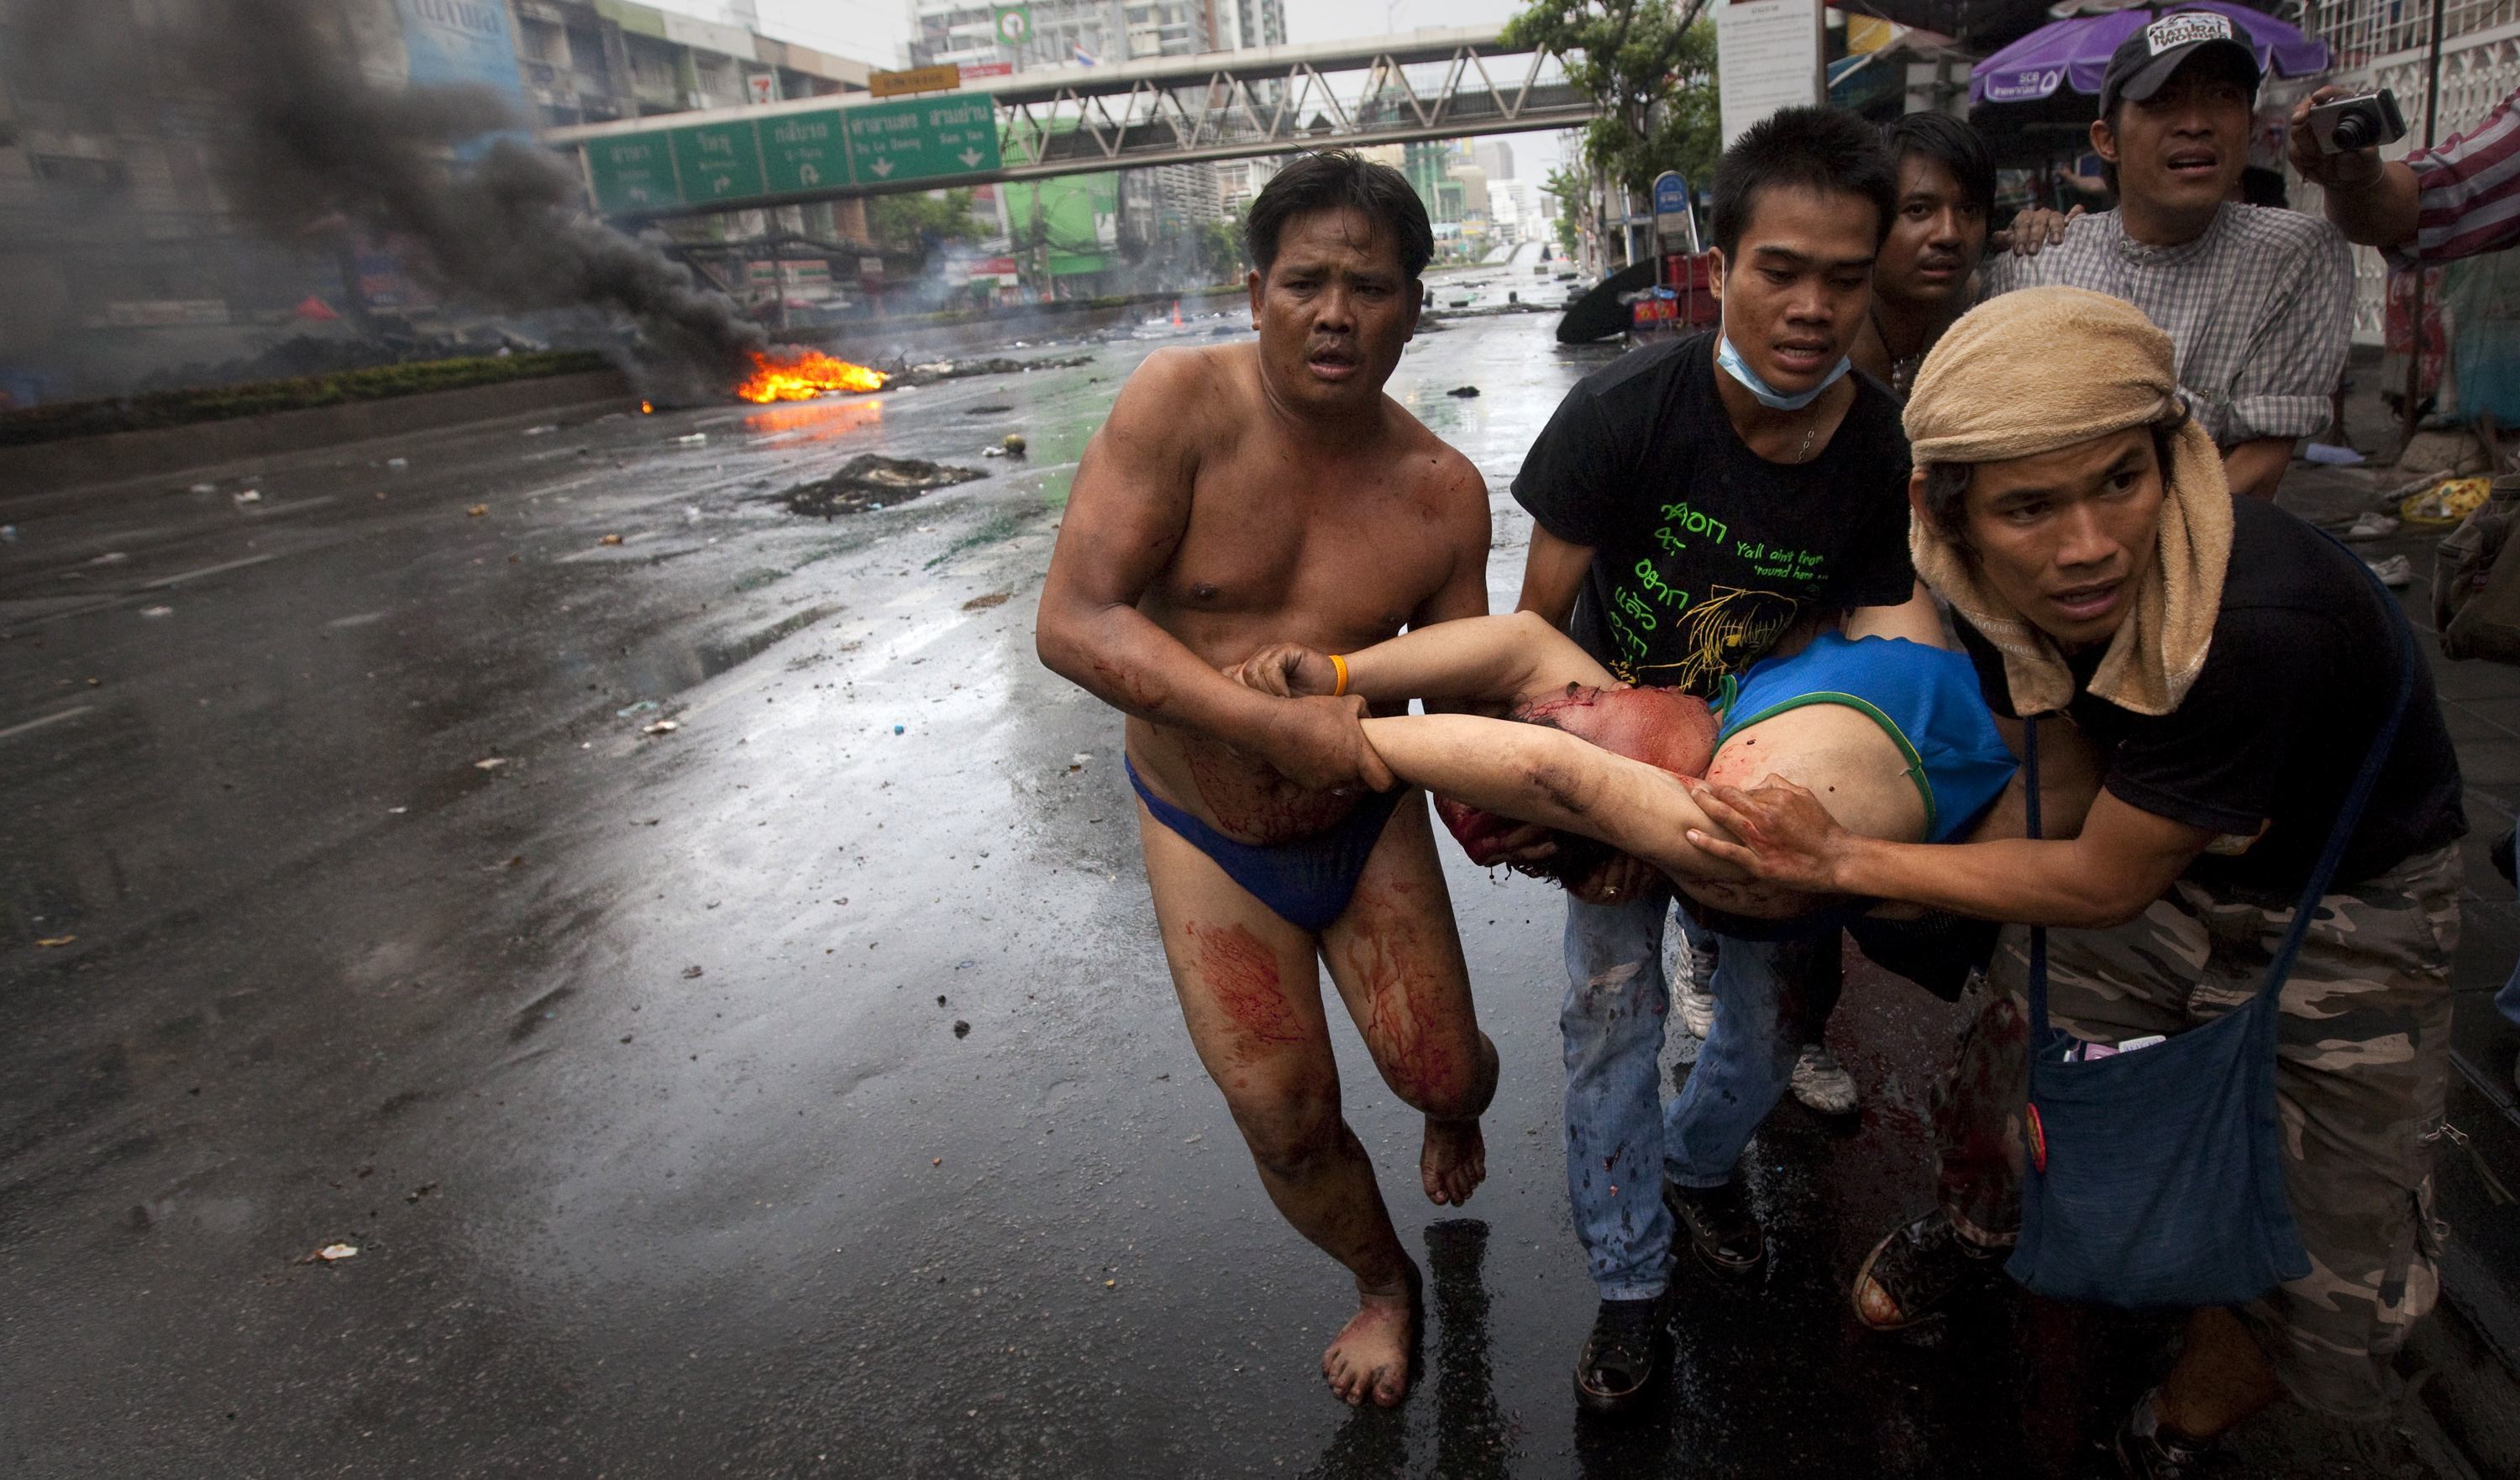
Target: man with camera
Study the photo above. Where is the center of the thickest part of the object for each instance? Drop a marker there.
(2438, 205)
(2258, 301)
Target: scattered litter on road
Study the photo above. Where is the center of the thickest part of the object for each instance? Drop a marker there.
(110, 557)
(962, 1029)
(644, 706)
(56, 942)
(896, 729)
(662, 726)
(940, 999)
(869, 482)
(985, 411)
(1080, 760)
(332, 1253)
(541, 431)
(1191, 1141)
(397, 462)
(396, 811)
(610, 539)
(1463, 391)
(984, 603)
(695, 439)
(692, 974)
(249, 495)
(493, 763)
(937, 1162)
(202, 488)
(476, 511)
(156, 611)
(420, 1192)
(8, 534)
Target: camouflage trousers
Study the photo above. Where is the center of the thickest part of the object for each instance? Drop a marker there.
(2363, 1058)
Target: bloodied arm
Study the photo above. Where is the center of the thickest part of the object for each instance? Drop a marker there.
(1126, 513)
(1553, 780)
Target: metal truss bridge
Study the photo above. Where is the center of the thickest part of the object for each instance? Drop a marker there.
(1427, 85)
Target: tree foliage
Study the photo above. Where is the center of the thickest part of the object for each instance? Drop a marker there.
(921, 219)
(1654, 79)
(1572, 188)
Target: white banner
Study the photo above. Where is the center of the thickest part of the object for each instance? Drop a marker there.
(1767, 56)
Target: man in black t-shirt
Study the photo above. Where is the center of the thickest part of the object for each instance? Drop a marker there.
(2209, 678)
(1694, 503)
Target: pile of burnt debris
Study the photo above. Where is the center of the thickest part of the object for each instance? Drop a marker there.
(930, 371)
(868, 482)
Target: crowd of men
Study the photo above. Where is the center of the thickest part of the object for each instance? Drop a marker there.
(2080, 499)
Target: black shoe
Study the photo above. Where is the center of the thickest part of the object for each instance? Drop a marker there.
(1629, 1342)
(1917, 1268)
(1720, 1227)
(2161, 1452)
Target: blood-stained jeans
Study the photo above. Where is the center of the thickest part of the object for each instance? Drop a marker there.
(1621, 1138)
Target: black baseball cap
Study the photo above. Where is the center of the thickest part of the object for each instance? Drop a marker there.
(2146, 58)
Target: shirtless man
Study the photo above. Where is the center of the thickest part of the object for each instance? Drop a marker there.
(1251, 492)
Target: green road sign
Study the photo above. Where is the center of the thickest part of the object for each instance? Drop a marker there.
(632, 173)
(717, 162)
(891, 142)
(1014, 24)
(804, 152)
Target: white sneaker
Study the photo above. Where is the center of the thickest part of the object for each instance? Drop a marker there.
(2372, 526)
(1821, 1084)
(1690, 976)
(2394, 572)
(1696, 1010)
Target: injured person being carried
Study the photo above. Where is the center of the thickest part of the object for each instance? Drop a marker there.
(1890, 731)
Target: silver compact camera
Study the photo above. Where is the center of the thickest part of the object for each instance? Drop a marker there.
(2347, 124)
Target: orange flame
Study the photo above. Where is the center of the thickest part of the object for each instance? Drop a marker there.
(647, 408)
(802, 375)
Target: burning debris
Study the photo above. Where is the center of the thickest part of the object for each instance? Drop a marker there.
(868, 481)
(801, 375)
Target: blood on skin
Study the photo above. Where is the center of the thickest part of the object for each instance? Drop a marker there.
(1406, 996)
(1241, 973)
(1254, 804)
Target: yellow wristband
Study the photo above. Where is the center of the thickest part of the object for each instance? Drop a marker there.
(1338, 665)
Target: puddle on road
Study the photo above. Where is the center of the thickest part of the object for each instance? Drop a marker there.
(817, 420)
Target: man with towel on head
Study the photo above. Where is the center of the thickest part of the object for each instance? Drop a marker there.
(2213, 671)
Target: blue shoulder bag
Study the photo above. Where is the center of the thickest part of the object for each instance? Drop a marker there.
(2154, 1179)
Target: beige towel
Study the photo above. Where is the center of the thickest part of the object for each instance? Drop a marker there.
(2043, 368)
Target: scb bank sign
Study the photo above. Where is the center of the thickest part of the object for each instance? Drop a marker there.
(459, 41)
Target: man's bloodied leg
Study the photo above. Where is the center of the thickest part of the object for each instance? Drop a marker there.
(1251, 995)
(1397, 961)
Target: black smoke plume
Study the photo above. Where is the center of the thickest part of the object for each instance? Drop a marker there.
(312, 139)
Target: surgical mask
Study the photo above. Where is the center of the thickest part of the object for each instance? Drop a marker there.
(1768, 395)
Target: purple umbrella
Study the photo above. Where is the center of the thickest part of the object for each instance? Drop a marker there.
(2076, 51)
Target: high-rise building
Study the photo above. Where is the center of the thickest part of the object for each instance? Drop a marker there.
(1250, 23)
(1496, 157)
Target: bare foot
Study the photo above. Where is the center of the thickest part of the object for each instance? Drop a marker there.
(1369, 1359)
(1454, 1162)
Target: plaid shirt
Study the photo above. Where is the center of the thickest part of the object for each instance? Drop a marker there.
(2256, 309)
(2470, 186)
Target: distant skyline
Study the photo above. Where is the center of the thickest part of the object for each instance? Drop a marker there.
(874, 31)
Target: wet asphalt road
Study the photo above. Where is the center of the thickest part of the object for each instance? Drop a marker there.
(629, 1064)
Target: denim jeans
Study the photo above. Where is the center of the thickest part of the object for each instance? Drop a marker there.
(1621, 1139)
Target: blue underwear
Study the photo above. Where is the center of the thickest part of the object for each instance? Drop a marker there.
(1307, 882)
(1925, 698)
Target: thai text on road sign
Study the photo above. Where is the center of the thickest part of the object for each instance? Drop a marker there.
(808, 152)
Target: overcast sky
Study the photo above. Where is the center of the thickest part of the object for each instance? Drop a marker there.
(874, 31)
